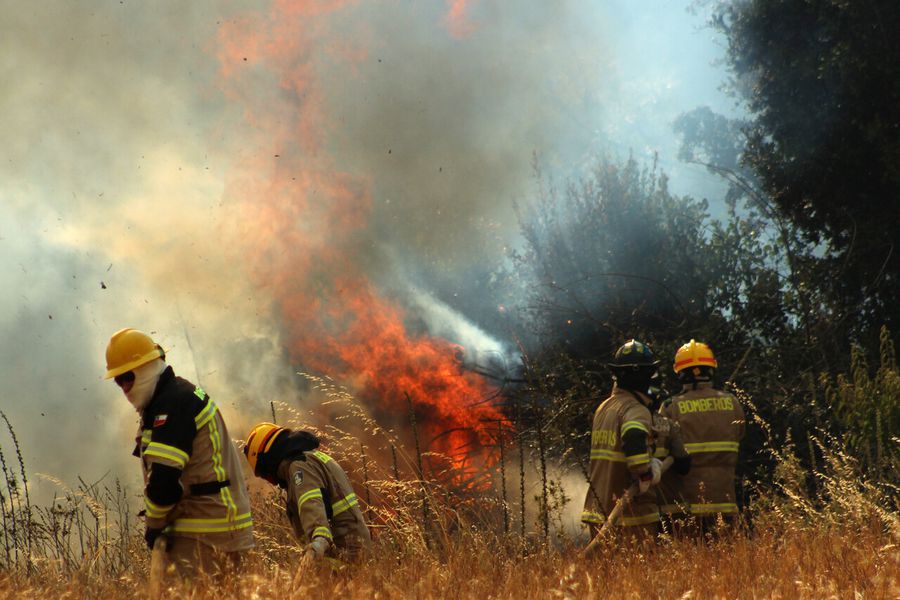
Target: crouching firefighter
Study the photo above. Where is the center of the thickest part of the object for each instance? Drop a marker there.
(621, 449)
(195, 496)
(321, 504)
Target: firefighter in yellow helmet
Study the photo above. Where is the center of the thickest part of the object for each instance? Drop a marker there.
(712, 425)
(621, 446)
(321, 504)
(195, 496)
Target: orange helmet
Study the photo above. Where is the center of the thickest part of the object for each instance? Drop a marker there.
(128, 349)
(694, 354)
(259, 441)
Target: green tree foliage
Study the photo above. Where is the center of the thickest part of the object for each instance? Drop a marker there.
(821, 79)
(868, 409)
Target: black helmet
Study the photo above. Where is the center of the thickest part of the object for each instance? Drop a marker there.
(633, 355)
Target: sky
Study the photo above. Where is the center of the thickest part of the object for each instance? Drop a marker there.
(244, 179)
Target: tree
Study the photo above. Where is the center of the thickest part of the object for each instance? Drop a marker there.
(821, 79)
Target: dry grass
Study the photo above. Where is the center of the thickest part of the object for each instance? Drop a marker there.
(835, 539)
(791, 563)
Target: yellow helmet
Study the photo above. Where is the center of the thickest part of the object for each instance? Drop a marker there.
(259, 441)
(128, 349)
(694, 354)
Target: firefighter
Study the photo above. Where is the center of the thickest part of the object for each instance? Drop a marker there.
(621, 450)
(195, 495)
(712, 426)
(321, 504)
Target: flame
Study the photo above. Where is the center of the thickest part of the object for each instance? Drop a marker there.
(305, 226)
(456, 20)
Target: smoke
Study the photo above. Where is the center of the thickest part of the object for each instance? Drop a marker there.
(447, 127)
(258, 187)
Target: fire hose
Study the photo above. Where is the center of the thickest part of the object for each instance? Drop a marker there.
(618, 509)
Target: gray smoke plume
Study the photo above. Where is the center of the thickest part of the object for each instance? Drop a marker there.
(118, 142)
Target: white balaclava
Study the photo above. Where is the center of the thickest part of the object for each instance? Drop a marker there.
(145, 378)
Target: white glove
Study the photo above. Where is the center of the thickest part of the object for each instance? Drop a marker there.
(656, 470)
(651, 476)
(317, 548)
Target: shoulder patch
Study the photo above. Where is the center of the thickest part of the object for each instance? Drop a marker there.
(160, 420)
(298, 477)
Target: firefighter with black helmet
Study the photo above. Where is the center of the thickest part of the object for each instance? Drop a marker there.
(321, 504)
(621, 445)
(195, 496)
(712, 425)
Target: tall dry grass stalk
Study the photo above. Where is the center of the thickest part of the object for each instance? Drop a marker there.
(835, 540)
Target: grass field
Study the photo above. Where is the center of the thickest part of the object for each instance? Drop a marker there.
(826, 532)
(777, 561)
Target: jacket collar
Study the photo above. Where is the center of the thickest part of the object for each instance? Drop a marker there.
(643, 399)
(166, 377)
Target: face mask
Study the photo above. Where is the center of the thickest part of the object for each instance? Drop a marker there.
(145, 378)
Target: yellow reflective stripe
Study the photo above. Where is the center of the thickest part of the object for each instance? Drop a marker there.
(205, 415)
(228, 501)
(146, 436)
(638, 459)
(198, 391)
(315, 493)
(156, 511)
(607, 455)
(697, 448)
(321, 456)
(642, 520)
(722, 507)
(322, 532)
(661, 452)
(344, 504)
(168, 452)
(210, 525)
(629, 425)
(216, 442)
(592, 517)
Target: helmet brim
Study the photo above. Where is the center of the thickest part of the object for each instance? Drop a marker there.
(655, 363)
(157, 352)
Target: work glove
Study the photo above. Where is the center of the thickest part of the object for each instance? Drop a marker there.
(651, 476)
(150, 535)
(655, 470)
(316, 549)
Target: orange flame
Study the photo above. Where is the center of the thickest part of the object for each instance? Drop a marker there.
(456, 19)
(305, 225)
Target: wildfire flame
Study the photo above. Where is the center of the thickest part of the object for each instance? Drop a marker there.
(305, 226)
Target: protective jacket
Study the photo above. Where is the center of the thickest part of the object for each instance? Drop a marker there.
(712, 426)
(620, 451)
(194, 484)
(321, 502)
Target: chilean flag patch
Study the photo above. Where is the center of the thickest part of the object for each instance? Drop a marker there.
(160, 420)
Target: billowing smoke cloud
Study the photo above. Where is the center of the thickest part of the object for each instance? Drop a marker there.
(228, 176)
